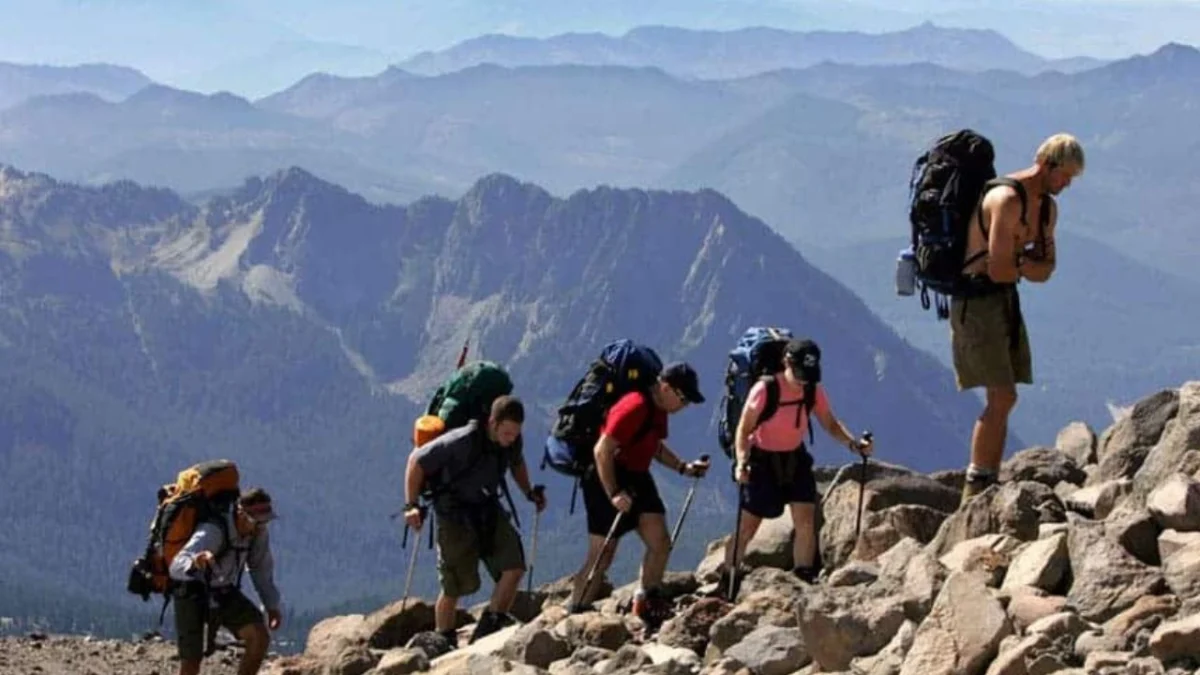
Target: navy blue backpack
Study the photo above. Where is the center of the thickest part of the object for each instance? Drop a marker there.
(623, 366)
(757, 356)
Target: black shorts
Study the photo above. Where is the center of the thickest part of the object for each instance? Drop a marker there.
(778, 479)
(601, 512)
(234, 611)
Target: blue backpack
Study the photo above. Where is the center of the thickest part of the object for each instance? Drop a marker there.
(757, 356)
(623, 366)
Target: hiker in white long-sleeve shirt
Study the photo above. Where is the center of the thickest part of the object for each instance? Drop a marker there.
(210, 566)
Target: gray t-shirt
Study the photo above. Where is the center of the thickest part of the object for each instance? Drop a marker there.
(467, 469)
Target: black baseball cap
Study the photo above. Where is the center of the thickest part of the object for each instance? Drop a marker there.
(683, 377)
(796, 351)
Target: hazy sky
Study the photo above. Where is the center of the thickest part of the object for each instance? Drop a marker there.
(205, 44)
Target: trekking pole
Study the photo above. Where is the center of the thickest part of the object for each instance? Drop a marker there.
(462, 356)
(612, 530)
(412, 560)
(862, 485)
(737, 536)
(538, 491)
(687, 503)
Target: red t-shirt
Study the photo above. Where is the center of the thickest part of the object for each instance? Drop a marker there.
(623, 422)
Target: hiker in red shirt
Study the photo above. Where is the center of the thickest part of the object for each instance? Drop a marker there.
(633, 436)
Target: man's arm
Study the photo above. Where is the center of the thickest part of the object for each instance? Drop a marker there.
(606, 451)
(205, 539)
(1039, 267)
(1004, 207)
(520, 474)
(668, 458)
(414, 479)
(262, 570)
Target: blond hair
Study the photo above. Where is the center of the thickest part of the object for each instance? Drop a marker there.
(1061, 150)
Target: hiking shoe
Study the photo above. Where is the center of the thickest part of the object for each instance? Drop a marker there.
(971, 488)
(806, 574)
(490, 622)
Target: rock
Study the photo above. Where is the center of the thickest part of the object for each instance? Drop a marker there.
(684, 659)
(329, 637)
(1042, 564)
(674, 584)
(973, 553)
(1136, 531)
(1107, 579)
(353, 660)
(629, 658)
(771, 650)
(430, 643)
(1061, 626)
(1077, 440)
(951, 478)
(890, 659)
(1171, 541)
(887, 487)
(1182, 572)
(1090, 642)
(1097, 501)
(775, 580)
(854, 573)
(401, 662)
(962, 632)
(690, 628)
(1120, 464)
(1010, 508)
(598, 630)
(1175, 504)
(1170, 453)
(761, 608)
(479, 655)
(883, 529)
(1177, 639)
(1019, 657)
(1101, 660)
(1042, 465)
(390, 627)
(1028, 605)
(1143, 426)
(1150, 606)
(559, 591)
(535, 645)
(841, 623)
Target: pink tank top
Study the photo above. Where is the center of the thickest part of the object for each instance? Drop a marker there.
(782, 433)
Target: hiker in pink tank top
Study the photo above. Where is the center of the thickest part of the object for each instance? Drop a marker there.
(785, 430)
(774, 467)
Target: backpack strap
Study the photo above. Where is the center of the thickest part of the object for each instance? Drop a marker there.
(997, 182)
(771, 405)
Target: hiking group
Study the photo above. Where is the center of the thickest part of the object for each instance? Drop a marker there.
(971, 245)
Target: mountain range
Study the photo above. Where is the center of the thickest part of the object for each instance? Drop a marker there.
(822, 154)
(297, 328)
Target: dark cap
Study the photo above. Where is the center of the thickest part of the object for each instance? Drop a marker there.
(681, 376)
(803, 353)
(257, 504)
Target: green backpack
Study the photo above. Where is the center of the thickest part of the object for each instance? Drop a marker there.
(469, 393)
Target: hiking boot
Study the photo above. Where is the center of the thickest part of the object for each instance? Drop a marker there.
(490, 622)
(974, 486)
(806, 574)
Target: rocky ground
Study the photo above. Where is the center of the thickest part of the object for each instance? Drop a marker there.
(1084, 560)
(39, 654)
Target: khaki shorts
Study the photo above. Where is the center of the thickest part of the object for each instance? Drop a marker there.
(458, 555)
(984, 354)
(234, 611)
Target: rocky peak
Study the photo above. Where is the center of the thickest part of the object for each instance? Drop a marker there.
(1075, 563)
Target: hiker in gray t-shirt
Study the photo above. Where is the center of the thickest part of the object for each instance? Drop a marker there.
(465, 468)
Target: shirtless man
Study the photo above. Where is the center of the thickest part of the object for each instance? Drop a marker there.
(987, 332)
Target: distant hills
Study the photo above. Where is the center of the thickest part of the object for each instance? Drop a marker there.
(721, 54)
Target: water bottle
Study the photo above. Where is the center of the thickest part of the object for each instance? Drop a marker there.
(906, 273)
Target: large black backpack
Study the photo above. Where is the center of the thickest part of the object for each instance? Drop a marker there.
(948, 181)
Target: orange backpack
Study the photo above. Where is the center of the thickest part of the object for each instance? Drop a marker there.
(204, 492)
